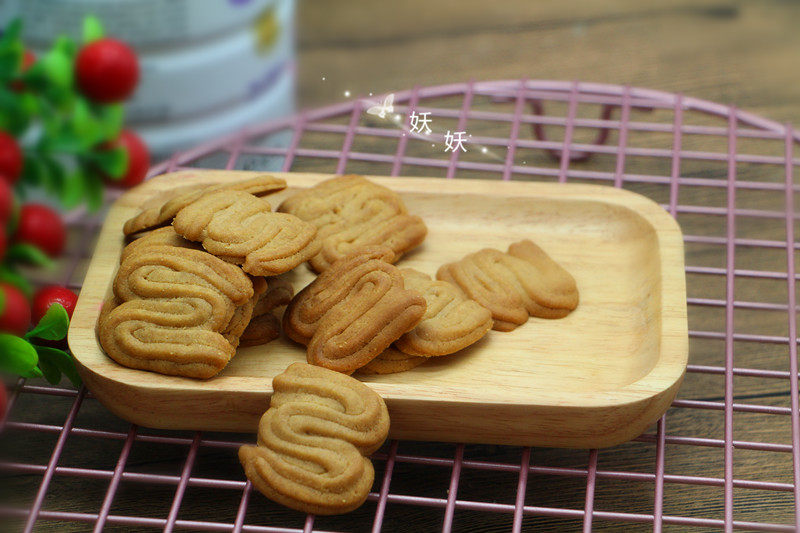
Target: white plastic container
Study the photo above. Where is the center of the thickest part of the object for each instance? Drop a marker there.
(142, 23)
(180, 83)
(165, 138)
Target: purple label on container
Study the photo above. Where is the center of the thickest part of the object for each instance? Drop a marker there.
(239, 2)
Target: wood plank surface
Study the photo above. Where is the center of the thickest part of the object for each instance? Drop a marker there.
(732, 52)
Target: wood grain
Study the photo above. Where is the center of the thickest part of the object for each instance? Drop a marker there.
(598, 377)
(728, 51)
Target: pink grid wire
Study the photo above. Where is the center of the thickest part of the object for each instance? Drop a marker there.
(568, 157)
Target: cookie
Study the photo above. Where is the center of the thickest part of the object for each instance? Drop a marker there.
(264, 326)
(172, 305)
(158, 237)
(451, 322)
(351, 212)
(353, 311)
(314, 440)
(241, 228)
(243, 315)
(515, 285)
(161, 209)
(391, 361)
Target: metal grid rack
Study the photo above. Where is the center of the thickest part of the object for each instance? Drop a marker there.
(725, 457)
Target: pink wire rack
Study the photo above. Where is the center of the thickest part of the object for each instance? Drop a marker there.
(731, 457)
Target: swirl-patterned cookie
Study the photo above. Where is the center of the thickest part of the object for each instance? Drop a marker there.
(165, 236)
(264, 325)
(241, 228)
(161, 209)
(451, 322)
(353, 311)
(351, 212)
(171, 307)
(391, 361)
(515, 285)
(314, 440)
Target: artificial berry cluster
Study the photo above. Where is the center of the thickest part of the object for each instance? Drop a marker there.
(61, 132)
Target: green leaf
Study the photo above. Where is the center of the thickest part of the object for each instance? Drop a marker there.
(17, 355)
(112, 162)
(73, 189)
(94, 192)
(27, 253)
(84, 125)
(11, 276)
(62, 360)
(12, 32)
(51, 372)
(53, 325)
(56, 176)
(34, 171)
(92, 29)
(32, 373)
(57, 66)
(112, 117)
(2, 301)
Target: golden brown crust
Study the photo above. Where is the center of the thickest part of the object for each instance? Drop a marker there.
(158, 237)
(451, 322)
(313, 441)
(171, 306)
(391, 361)
(242, 228)
(515, 285)
(353, 311)
(351, 212)
(162, 208)
(264, 326)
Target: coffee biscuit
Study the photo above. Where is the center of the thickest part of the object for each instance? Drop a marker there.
(515, 285)
(171, 306)
(161, 209)
(165, 236)
(241, 228)
(351, 212)
(353, 311)
(391, 361)
(314, 440)
(264, 326)
(451, 322)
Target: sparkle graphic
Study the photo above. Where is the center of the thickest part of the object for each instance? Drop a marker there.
(347, 94)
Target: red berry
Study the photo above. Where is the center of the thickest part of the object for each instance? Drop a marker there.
(15, 316)
(28, 59)
(3, 401)
(53, 294)
(138, 160)
(42, 227)
(6, 201)
(10, 158)
(107, 70)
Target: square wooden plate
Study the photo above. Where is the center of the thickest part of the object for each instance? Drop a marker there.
(596, 378)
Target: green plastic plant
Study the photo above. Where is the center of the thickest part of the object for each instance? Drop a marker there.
(66, 139)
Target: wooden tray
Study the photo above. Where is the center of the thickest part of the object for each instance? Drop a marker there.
(599, 377)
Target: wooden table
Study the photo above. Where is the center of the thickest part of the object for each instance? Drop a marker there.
(742, 53)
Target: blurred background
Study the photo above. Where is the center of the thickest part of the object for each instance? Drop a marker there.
(212, 66)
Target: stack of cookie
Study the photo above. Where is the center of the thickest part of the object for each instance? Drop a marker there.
(187, 295)
(361, 313)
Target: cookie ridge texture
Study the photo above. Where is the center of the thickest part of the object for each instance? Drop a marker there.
(351, 212)
(451, 321)
(170, 306)
(353, 311)
(241, 228)
(516, 285)
(314, 440)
